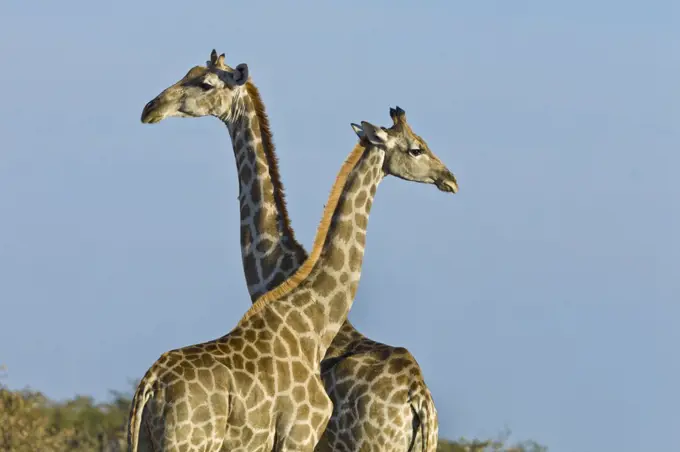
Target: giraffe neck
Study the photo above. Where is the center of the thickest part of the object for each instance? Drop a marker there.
(335, 277)
(325, 285)
(269, 250)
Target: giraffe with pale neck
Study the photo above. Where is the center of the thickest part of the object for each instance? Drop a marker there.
(377, 390)
(269, 249)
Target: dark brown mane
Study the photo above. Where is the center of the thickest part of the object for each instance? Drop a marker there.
(272, 160)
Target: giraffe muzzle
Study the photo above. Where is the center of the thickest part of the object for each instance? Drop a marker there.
(150, 114)
(447, 183)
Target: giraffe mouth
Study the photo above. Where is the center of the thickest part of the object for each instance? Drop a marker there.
(448, 186)
(152, 119)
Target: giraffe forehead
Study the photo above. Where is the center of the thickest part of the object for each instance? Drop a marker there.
(410, 139)
(403, 130)
(413, 138)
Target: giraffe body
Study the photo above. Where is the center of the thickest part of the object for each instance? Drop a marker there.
(396, 410)
(242, 392)
(380, 399)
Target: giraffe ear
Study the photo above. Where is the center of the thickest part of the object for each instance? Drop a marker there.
(358, 130)
(240, 74)
(374, 134)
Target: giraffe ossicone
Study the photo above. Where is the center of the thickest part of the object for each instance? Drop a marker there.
(223, 369)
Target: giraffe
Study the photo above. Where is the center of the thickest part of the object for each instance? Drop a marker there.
(378, 391)
(259, 386)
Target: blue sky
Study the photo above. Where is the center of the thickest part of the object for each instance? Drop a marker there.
(541, 297)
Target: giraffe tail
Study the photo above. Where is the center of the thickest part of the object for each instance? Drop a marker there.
(428, 426)
(142, 395)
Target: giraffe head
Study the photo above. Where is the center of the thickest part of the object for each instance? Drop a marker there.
(210, 90)
(407, 156)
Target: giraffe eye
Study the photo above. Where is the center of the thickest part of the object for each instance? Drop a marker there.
(415, 152)
(205, 86)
